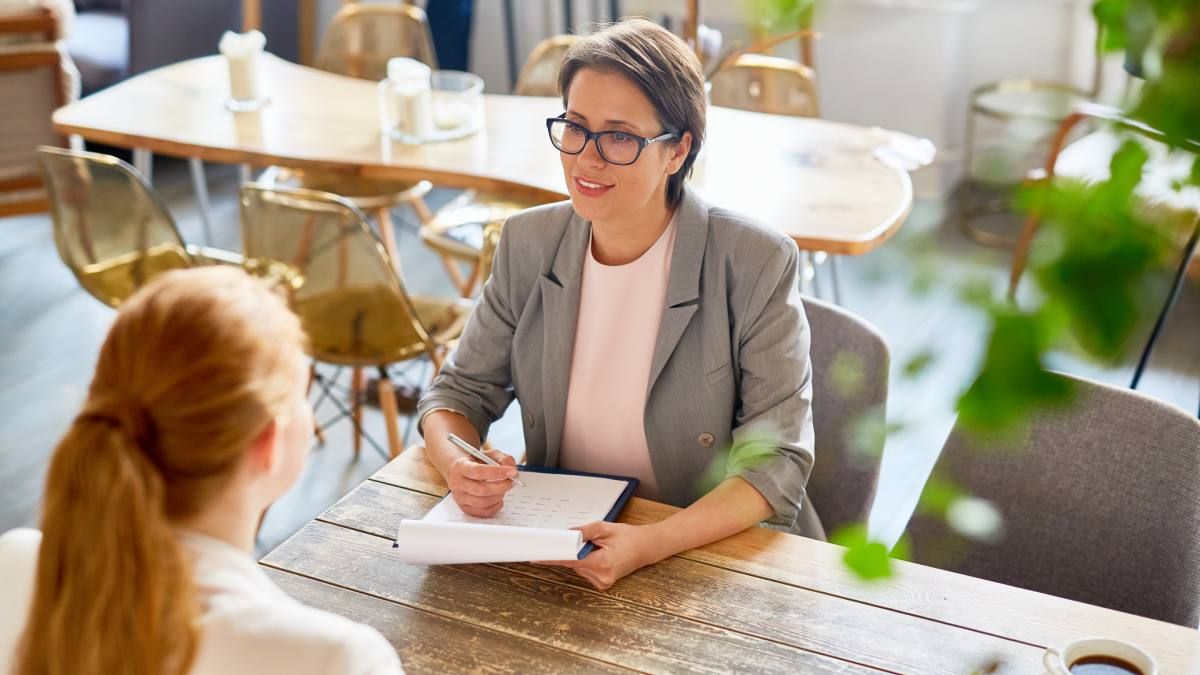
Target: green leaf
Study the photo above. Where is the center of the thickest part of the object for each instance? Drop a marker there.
(1195, 177)
(779, 16)
(1104, 267)
(1110, 17)
(918, 364)
(867, 559)
(1012, 378)
(937, 495)
(749, 450)
(867, 434)
(847, 374)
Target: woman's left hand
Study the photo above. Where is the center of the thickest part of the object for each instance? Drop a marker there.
(620, 550)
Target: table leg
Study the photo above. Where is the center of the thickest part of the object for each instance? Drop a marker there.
(835, 273)
(200, 186)
(804, 262)
(817, 286)
(143, 161)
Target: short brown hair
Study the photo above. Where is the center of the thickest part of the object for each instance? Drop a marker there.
(661, 65)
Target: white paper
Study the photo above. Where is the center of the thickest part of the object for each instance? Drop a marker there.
(534, 523)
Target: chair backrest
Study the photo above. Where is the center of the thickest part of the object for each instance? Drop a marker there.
(1100, 499)
(36, 78)
(362, 37)
(767, 84)
(340, 280)
(850, 361)
(539, 75)
(110, 227)
(487, 253)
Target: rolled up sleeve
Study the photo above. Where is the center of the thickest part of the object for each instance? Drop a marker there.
(776, 387)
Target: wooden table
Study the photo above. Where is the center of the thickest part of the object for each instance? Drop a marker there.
(818, 181)
(760, 601)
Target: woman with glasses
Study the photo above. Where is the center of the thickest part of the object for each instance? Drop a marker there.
(642, 330)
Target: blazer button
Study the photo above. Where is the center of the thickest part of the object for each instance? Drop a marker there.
(706, 439)
(529, 420)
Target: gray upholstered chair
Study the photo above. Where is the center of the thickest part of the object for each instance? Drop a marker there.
(1101, 504)
(850, 384)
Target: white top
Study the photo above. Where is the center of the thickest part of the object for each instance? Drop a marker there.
(247, 624)
(620, 308)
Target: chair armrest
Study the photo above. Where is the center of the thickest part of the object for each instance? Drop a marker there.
(41, 24)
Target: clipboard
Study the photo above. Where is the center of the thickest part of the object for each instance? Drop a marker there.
(538, 526)
(618, 506)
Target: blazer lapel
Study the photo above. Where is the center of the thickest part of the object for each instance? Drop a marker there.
(560, 288)
(683, 285)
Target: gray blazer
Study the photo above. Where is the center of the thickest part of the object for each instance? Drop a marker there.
(731, 354)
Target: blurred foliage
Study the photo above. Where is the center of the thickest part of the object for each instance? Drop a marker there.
(747, 451)
(1101, 260)
(868, 559)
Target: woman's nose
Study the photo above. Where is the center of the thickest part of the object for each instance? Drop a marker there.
(591, 154)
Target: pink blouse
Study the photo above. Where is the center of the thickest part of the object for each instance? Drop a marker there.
(620, 307)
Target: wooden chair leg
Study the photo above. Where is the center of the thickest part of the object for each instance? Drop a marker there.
(455, 274)
(387, 404)
(312, 376)
(388, 232)
(468, 288)
(356, 389)
(422, 210)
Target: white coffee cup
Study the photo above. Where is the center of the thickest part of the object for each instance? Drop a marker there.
(1058, 662)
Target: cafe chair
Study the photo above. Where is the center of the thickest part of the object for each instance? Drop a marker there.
(111, 228)
(37, 76)
(1100, 500)
(344, 287)
(778, 86)
(462, 233)
(377, 196)
(359, 42)
(363, 37)
(539, 75)
(850, 361)
(766, 84)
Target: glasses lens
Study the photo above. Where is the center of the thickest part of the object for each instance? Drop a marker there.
(567, 136)
(619, 147)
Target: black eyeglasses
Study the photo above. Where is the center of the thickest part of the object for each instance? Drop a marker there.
(615, 147)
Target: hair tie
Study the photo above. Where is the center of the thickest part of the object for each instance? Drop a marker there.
(126, 414)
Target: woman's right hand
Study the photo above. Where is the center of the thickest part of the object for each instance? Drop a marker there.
(479, 489)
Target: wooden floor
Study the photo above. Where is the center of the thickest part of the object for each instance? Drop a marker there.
(50, 331)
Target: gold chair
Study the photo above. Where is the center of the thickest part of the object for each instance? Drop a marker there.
(461, 231)
(359, 42)
(345, 289)
(539, 75)
(370, 195)
(363, 37)
(111, 228)
(768, 84)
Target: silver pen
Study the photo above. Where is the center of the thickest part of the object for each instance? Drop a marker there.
(477, 454)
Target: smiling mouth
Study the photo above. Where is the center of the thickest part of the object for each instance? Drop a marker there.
(590, 186)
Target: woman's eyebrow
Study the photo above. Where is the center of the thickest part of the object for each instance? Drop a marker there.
(584, 120)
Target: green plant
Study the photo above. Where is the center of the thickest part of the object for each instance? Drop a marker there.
(1101, 256)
